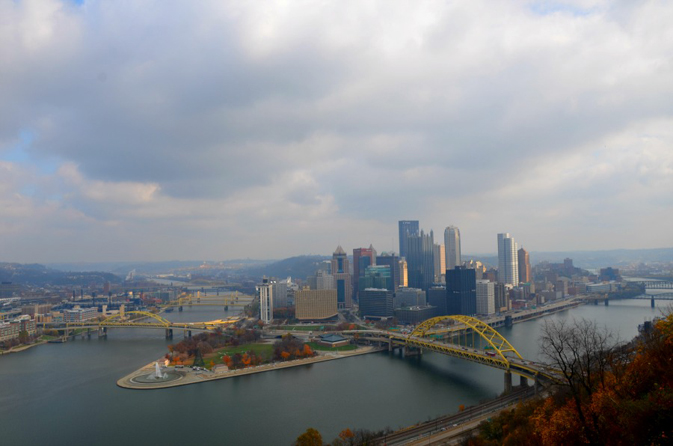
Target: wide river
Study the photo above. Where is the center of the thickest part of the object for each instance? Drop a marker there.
(66, 394)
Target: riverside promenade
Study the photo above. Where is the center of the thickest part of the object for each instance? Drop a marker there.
(188, 376)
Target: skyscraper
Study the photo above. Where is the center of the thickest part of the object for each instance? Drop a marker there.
(420, 260)
(265, 292)
(440, 265)
(392, 261)
(342, 278)
(452, 247)
(485, 297)
(524, 266)
(508, 262)
(362, 258)
(406, 227)
(461, 291)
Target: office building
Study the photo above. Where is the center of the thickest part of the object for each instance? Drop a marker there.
(524, 266)
(80, 314)
(404, 273)
(362, 258)
(342, 278)
(452, 247)
(438, 254)
(315, 304)
(409, 297)
(376, 303)
(377, 276)
(485, 297)
(279, 293)
(392, 262)
(437, 298)
(265, 294)
(414, 315)
(461, 291)
(421, 260)
(508, 261)
(406, 227)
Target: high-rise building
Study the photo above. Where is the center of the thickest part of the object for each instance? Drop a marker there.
(409, 297)
(362, 258)
(524, 266)
(393, 262)
(438, 254)
(342, 278)
(315, 304)
(421, 260)
(485, 297)
(508, 262)
(406, 227)
(437, 298)
(376, 303)
(404, 272)
(452, 247)
(377, 276)
(461, 291)
(279, 293)
(265, 293)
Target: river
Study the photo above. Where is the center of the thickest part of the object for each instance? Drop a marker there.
(65, 394)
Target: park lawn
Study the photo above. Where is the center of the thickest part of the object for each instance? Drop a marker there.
(264, 350)
(343, 348)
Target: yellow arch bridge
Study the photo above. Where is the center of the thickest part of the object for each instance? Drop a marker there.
(497, 352)
(141, 319)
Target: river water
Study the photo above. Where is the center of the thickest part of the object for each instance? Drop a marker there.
(65, 394)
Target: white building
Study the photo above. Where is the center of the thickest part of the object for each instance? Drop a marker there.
(265, 293)
(508, 261)
(485, 297)
(452, 247)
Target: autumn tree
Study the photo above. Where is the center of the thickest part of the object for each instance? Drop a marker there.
(309, 438)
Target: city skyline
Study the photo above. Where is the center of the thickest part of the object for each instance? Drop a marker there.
(225, 130)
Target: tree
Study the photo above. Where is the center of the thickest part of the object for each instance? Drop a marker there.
(309, 438)
(582, 352)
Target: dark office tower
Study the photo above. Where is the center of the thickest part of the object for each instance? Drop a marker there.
(407, 227)
(437, 298)
(421, 260)
(376, 303)
(461, 291)
(392, 261)
(362, 258)
(524, 266)
(342, 278)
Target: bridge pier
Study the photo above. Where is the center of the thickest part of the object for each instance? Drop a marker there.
(412, 351)
(607, 302)
(180, 308)
(508, 381)
(523, 381)
(508, 321)
(88, 333)
(186, 333)
(169, 333)
(102, 332)
(595, 301)
(652, 302)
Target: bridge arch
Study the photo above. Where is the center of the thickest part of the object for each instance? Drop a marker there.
(497, 341)
(117, 317)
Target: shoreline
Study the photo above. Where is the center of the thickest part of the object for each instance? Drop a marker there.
(189, 376)
(21, 348)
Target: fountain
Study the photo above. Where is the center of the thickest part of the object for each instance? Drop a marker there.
(157, 376)
(157, 372)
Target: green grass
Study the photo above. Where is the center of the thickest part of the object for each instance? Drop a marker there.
(343, 348)
(263, 350)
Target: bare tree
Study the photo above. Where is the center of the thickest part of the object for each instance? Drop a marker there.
(582, 353)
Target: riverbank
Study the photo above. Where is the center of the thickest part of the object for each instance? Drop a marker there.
(21, 348)
(189, 376)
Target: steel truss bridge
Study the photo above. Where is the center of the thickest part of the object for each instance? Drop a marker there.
(231, 300)
(142, 319)
(497, 351)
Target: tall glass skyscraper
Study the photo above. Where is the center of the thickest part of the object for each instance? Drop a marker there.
(452, 247)
(508, 261)
(421, 260)
(406, 227)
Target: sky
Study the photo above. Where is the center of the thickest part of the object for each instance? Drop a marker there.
(156, 130)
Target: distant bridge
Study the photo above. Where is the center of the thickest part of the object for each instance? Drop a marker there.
(144, 319)
(226, 301)
(497, 353)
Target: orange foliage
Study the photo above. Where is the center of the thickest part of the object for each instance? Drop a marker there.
(285, 355)
(307, 350)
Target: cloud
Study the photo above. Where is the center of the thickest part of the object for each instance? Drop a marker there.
(312, 123)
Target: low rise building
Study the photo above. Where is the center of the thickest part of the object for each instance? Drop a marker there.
(315, 304)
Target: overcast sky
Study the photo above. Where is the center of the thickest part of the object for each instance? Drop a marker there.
(155, 130)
